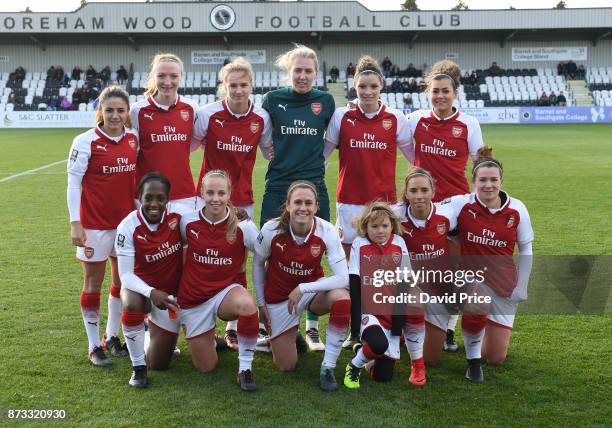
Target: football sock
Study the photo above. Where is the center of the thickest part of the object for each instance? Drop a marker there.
(231, 325)
(415, 338)
(114, 312)
(134, 333)
(90, 309)
(339, 316)
(473, 330)
(247, 340)
(452, 322)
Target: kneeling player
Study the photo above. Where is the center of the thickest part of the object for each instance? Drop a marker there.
(293, 280)
(149, 252)
(211, 283)
(377, 247)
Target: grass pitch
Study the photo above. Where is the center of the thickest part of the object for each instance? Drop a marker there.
(557, 372)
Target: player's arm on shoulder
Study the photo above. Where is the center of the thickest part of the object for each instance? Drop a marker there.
(134, 110)
(524, 231)
(474, 141)
(403, 136)
(265, 141)
(200, 128)
(250, 233)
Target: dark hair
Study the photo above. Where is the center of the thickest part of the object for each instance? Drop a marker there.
(153, 176)
(368, 65)
(444, 70)
(284, 219)
(108, 93)
(485, 159)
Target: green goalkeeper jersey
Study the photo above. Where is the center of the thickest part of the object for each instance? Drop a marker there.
(299, 122)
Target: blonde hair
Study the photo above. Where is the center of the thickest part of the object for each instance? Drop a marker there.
(444, 70)
(417, 172)
(160, 57)
(286, 60)
(107, 93)
(285, 217)
(377, 211)
(238, 65)
(232, 220)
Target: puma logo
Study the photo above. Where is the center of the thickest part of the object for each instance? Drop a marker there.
(144, 238)
(101, 147)
(196, 234)
(368, 257)
(220, 122)
(148, 116)
(284, 107)
(473, 213)
(282, 246)
(410, 232)
(351, 121)
(425, 125)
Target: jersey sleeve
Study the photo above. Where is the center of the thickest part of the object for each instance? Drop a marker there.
(78, 162)
(185, 220)
(332, 134)
(474, 137)
(263, 243)
(332, 108)
(403, 136)
(134, 110)
(354, 257)
(454, 204)
(266, 135)
(448, 212)
(124, 241)
(335, 252)
(250, 233)
(524, 230)
(200, 128)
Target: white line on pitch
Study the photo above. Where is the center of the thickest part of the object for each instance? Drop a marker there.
(30, 171)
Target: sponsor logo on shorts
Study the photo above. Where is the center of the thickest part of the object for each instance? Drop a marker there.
(185, 115)
(511, 221)
(315, 250)
(316, 108)
(172, 223)
(441, 228)
(120, 240)
(387, 124)
(89, 252)
(457, 131)
(254, 127)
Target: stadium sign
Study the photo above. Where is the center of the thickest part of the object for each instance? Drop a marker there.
(550, 54)
(306, 16)
(219, 57)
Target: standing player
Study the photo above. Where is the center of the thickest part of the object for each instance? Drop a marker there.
(425, 228)
(300, 114)
(164, 121)
(379, 245)
(210, 286)
(232, 129)
(150, 257)
(367, 134)
(293, 279)
(491, 224)
(100, 194)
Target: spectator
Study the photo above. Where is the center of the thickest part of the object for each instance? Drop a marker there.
(543, 101)
(76, 73)
(561, 69)
(465, 80)
(552, 99)
(411, 71)
(571, 69)
(105, 74)
(20, 73)
(51, 73)
(412, 82)
(386, 66)
(425, 70)
(561, 100)
(350, 70)
(60, 75)
(495, 70)
(90, 73)
(473, 78)
(52, 106)
(66, 104)
(122, 75)
(334, 73)
(581, 72)
(395, 71)
(396, 86)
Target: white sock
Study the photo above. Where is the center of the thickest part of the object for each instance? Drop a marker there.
(360, 359)
(135, 341)
(232, 325)
(473, 343)
(91, 319)
(147, 341)
(415, 338)
(114, 316)
(334, 337)
(312, 324)
(452, 322)
(246, 351)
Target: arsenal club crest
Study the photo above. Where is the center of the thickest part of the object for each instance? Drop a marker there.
(396, 257)
(315, 250)
(387, 124)
(132, 144)
(172, 223)
(89, 252)
(316, 108)
(441, 228)
(231, 238)
(457, 131)
(511, 220)
(254, 127)
(185, 115)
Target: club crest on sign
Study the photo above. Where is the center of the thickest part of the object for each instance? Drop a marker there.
(511, 220)
(457, 131)
(89, 252)
(185, 115)
(316, 108)
(254, 127)
(315, 250)
(172, 223)
(387, 124)
(441, 228)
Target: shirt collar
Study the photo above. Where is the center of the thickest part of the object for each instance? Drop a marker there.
(452, 116)
(214, 223)
(161, 106)
(236, 115)
(103, 134)
(312, 228)
(414, 220)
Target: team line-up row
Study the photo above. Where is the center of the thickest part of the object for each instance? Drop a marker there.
(296, 129)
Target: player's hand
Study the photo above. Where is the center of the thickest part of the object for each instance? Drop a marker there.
(271, 153)
(294, 299)
(241, 214)
(77, 234)
(163, 301)
(265, 316)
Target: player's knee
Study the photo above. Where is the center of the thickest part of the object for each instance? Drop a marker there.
(285, 365)
(495, 359)
(158, 363)
(375, 337)
(205, 365)
(382, 371)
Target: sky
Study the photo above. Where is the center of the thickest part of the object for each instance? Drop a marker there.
(69, 5)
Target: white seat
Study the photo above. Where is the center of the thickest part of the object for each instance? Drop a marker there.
(10, 107)
(472, 104)
(479, 103)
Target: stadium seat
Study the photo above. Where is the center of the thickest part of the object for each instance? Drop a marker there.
(10, 107)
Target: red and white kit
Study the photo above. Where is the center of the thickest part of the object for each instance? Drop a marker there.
(442, 147)
(367, 144)
(230, 144)
(101, 187)
(295, 262)
(165, 138)
(214, 264)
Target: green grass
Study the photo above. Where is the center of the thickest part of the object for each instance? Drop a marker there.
(557, 372)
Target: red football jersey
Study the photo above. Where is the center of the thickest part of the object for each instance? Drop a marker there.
(486, 232)
(214, 260)
(442, 147)
(367, 147)
(230, 144)
(107, 166)
(291, 263)
(157, 249)
(165, 139)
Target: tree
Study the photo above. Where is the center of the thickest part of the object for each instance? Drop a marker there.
(560, 5)
(460, 6)
(410, 5)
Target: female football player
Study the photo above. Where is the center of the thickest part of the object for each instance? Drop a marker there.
(293, 279)
(100, 194)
